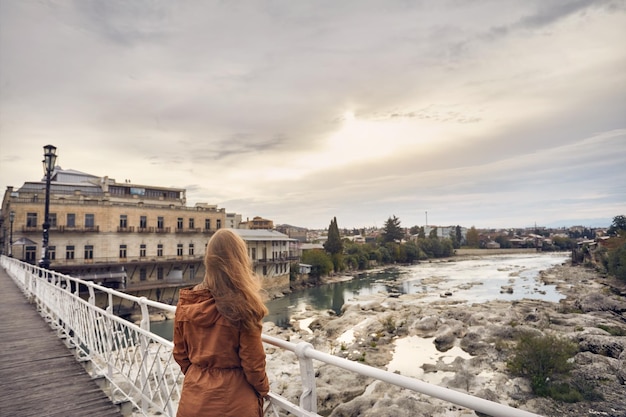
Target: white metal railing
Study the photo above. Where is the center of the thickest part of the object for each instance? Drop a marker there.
(139, 364)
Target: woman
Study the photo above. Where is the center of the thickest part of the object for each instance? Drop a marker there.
(217, 335)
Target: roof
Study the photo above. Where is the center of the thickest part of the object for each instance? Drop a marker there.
(261, 234)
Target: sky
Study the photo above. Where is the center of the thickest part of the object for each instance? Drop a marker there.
(485, 113)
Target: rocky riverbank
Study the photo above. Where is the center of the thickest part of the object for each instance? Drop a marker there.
(461, 346)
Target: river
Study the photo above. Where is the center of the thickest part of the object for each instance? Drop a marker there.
(471, 280)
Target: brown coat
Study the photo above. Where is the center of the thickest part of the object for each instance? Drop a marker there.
(224, 365)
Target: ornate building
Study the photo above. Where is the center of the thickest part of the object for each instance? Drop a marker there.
(141, 239)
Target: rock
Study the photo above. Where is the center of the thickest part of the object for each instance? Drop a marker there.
(599, 302)
(444, 339)
(605, 345)
(473, 344)
(621, 368)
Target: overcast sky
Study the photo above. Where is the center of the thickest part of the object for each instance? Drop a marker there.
(487, 113)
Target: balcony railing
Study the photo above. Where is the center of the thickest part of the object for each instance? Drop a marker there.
(129, 259)
(62, 229)
(188, 230)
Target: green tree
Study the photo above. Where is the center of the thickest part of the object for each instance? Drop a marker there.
(321, 263)
(617, 262)
(473, 240)
(414, 230)
(433, 233)
(421, 234)
(503, 241)
(459, 236)
(333, 244)
(392, 230)
(618, 226)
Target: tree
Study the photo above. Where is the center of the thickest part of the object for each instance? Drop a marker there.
(333, 244)
(421, 234)
(473, 240)
(392, 230)
(459, 236)
(617, 262)
(618, 226)
(503, 241)
(433, 233)
(321, 263)
(414, 230)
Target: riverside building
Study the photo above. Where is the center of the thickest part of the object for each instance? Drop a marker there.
(141, 239)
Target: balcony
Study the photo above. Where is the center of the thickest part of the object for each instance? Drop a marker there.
(145, 230)
(76, 229)
(188, 230)
(162, 230)
(129, 229)
(112, 260)
(275, 260)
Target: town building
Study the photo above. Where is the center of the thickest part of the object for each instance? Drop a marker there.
(141, 239)
(257, 223)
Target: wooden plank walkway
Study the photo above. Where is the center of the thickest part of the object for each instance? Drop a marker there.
(39, 375)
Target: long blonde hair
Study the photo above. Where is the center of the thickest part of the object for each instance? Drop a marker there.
(231, 280)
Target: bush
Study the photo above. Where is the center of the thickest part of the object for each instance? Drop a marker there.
(617, 262)
(543, 359)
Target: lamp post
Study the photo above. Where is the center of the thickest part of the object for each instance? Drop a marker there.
(11, 219)
(49, 160)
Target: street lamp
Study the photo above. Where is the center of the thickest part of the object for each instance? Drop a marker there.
(49, 160)
(11, 219)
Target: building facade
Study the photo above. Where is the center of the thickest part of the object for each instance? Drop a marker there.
(141, 239)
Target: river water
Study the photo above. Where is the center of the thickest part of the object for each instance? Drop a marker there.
(471, 280)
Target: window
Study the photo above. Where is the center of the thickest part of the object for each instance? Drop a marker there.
(254, 254)
(142, 250)
(143, 222)
(123, 221)
(52, 220)
(179, 223)
(88, 251)
(192, 272)
(31, 219)
(90, 220)
(52, 252)
(70, 220)
(160, 272)
(179, 249)
(191, 223)
(191, 249)
(219, 223)
(122, 251)
(143, 274)
(160, 249)
(69, 252)
(160, 223)
(30, 252)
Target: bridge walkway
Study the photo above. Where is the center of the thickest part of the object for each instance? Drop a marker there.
(39, 375)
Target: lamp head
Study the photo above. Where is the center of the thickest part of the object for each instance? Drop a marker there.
(11, 216)
(50, 157)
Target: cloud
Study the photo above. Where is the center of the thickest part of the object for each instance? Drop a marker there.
(478, 112)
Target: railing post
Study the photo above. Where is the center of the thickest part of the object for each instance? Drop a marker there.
(145, 325)
(308, 399)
